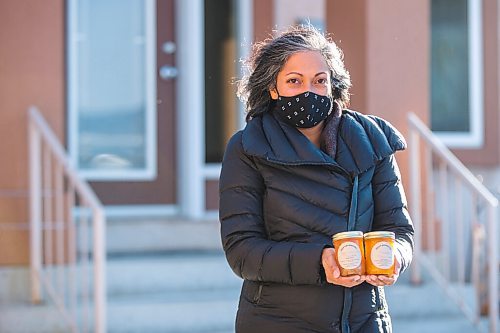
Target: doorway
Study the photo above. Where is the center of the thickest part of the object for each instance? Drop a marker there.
(121, 117)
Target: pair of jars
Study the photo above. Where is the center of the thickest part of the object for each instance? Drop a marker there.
(371, 253)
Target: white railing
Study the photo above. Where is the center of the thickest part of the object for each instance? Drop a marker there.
(456, 234)
(62, 258)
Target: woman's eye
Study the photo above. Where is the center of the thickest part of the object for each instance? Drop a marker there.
(322, 81)
(293, 81)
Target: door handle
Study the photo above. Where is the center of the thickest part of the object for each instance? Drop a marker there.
(169, 47)
(168, 72)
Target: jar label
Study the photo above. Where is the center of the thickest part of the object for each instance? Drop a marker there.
(349, 255)
(382, 255)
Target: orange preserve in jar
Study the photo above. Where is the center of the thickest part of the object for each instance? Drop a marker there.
(349, 252)
(379, 249)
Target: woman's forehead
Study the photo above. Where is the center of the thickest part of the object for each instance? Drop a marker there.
(305, 62)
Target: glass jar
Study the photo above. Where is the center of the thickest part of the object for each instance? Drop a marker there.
(379, 248)
(349, 252)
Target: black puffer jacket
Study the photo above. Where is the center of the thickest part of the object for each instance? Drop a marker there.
(282, 199)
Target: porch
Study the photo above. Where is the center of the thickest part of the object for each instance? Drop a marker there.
(162, 275)
(194, 292)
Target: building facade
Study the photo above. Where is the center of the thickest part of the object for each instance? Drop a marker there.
(141, 92)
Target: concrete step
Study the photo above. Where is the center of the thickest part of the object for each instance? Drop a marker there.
(180, 271)
(157, 235)
(175, 272)
(149, 235)
(425, 308)
(179, 292)
(26, 318)
(185, 292)
(176, 312)
(14, 285)
(186, 312)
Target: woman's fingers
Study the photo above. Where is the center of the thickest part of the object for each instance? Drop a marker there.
(335, 266)
(328, 259)
(332, 271)
(350, 281)
(347, 281)
(385, 280)
(329, 264)
(388, 280)
(381, 280)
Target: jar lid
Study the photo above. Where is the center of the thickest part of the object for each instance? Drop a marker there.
(379, 234)
(348, 234)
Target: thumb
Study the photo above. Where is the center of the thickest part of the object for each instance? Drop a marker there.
(328, 258)
(335, 266)
(336, 270)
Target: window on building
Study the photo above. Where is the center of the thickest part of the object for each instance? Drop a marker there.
(456, 73)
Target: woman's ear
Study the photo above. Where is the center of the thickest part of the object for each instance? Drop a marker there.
(274, 93)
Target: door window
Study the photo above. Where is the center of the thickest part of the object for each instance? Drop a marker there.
(112, 103)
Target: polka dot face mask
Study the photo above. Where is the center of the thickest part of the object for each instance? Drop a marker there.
(304, 110)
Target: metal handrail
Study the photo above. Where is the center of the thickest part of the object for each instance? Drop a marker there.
(454, 163)
(44, 147)
(418, 130)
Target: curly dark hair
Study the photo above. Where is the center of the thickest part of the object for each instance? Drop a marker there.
(269, 56)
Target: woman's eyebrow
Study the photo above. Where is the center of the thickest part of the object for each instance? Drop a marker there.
(297, 73)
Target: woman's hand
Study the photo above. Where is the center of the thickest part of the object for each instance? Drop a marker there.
(332, 271)
(384, 280)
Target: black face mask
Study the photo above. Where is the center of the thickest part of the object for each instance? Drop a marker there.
(304, 110)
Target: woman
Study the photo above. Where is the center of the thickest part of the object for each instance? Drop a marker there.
(303, 169)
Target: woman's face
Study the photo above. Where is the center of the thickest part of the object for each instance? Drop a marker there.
(304, 71)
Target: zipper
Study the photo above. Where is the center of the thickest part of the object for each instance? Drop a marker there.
(353, 209)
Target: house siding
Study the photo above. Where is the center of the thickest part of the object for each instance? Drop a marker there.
(388, 42)
(32, 72)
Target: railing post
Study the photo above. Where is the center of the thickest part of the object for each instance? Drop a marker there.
(416, 206)
(493, 267)
(445, 220)
(44, 146)
(35, 210)
(99, 257)
(485, 232)
(430, 196)
(459, 230)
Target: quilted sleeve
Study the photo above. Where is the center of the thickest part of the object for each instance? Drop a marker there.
(248, 250)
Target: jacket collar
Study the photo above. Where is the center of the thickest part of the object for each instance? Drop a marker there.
(362, 142)
(269, 138)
